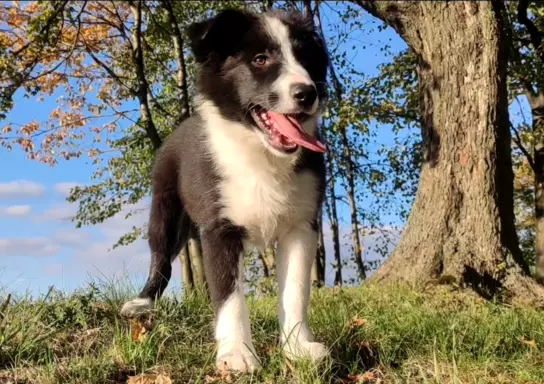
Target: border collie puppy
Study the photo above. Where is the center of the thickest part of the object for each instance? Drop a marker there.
(246, 170)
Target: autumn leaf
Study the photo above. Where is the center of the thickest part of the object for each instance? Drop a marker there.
(149, 379)
(140, 329)
(357, 322)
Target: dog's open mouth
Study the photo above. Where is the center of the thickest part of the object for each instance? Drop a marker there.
(284, 132)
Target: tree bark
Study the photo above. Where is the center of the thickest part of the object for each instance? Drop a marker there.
(462, 221)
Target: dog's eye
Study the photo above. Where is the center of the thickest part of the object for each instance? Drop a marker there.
(260, 60)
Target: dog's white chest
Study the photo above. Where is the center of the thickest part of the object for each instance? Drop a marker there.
(258, 191)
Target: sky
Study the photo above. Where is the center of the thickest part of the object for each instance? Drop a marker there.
(40, 245)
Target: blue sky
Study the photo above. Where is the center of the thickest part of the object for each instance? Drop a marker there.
(40, 246)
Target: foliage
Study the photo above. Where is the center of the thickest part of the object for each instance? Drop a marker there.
(526, 83)
(116, 109)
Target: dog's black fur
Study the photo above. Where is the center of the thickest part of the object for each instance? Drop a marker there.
(185, 180)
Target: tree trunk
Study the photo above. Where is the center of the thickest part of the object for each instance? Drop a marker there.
(318, 269)
(195, 255)
(462, 221)
(186, 270)
(266, 271)
(330, 205)
(537, 109)
(355, 236)
(267, 259)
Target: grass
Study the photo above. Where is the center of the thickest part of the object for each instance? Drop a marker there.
(400, 336)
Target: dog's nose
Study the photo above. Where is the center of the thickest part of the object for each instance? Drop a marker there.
(304, 94)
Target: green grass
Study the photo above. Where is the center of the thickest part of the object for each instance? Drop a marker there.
(441, 336)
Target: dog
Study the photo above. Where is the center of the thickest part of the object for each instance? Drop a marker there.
(247, 169)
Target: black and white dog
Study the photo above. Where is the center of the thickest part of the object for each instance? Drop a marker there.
(247, 169)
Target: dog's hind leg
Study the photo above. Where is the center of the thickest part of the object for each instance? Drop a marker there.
(168, 231)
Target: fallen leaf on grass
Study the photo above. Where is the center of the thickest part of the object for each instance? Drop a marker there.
(140, 329)
(529, 343)
(365, 378)
(149, 379)
(357, 322)
(222, 376)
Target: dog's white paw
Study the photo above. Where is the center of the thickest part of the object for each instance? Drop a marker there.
(302, 349)
(137, 307)
(240, 360)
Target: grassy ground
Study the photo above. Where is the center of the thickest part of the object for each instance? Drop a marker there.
(389, 335)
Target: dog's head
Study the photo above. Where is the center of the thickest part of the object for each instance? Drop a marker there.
(267, 71)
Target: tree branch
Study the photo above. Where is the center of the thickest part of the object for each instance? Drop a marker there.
(45, 30)
(177, 39)
(534, 33)
(519, 144)
(143, 86)
(515, 56)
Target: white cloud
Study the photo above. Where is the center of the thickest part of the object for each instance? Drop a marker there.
(20, 188)
(30, 246)
(15, 210)
(54, 269)
(61, 212)
(64, 188)
(71, 237)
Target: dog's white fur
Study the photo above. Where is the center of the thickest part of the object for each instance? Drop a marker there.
(262, 193)
(292, 71)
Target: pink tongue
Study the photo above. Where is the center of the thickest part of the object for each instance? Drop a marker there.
(291, 128)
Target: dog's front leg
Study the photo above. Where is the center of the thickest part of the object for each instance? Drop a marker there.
(296, 252)
(222, 246)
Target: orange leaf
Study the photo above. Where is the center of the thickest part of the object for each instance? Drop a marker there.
(357, 322)
(529, 343)
(138, 331)
(365, 378)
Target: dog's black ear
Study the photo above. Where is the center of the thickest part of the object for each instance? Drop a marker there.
(218, 34)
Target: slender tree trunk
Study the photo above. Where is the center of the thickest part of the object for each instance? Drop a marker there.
(267, 259)
(195, 255)
(321, 259)
(330, 205)
(318, 268)
(186, 270)
(355, 235)
(266, 270)
(537, 109)
(462, 221)
(177, 40)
